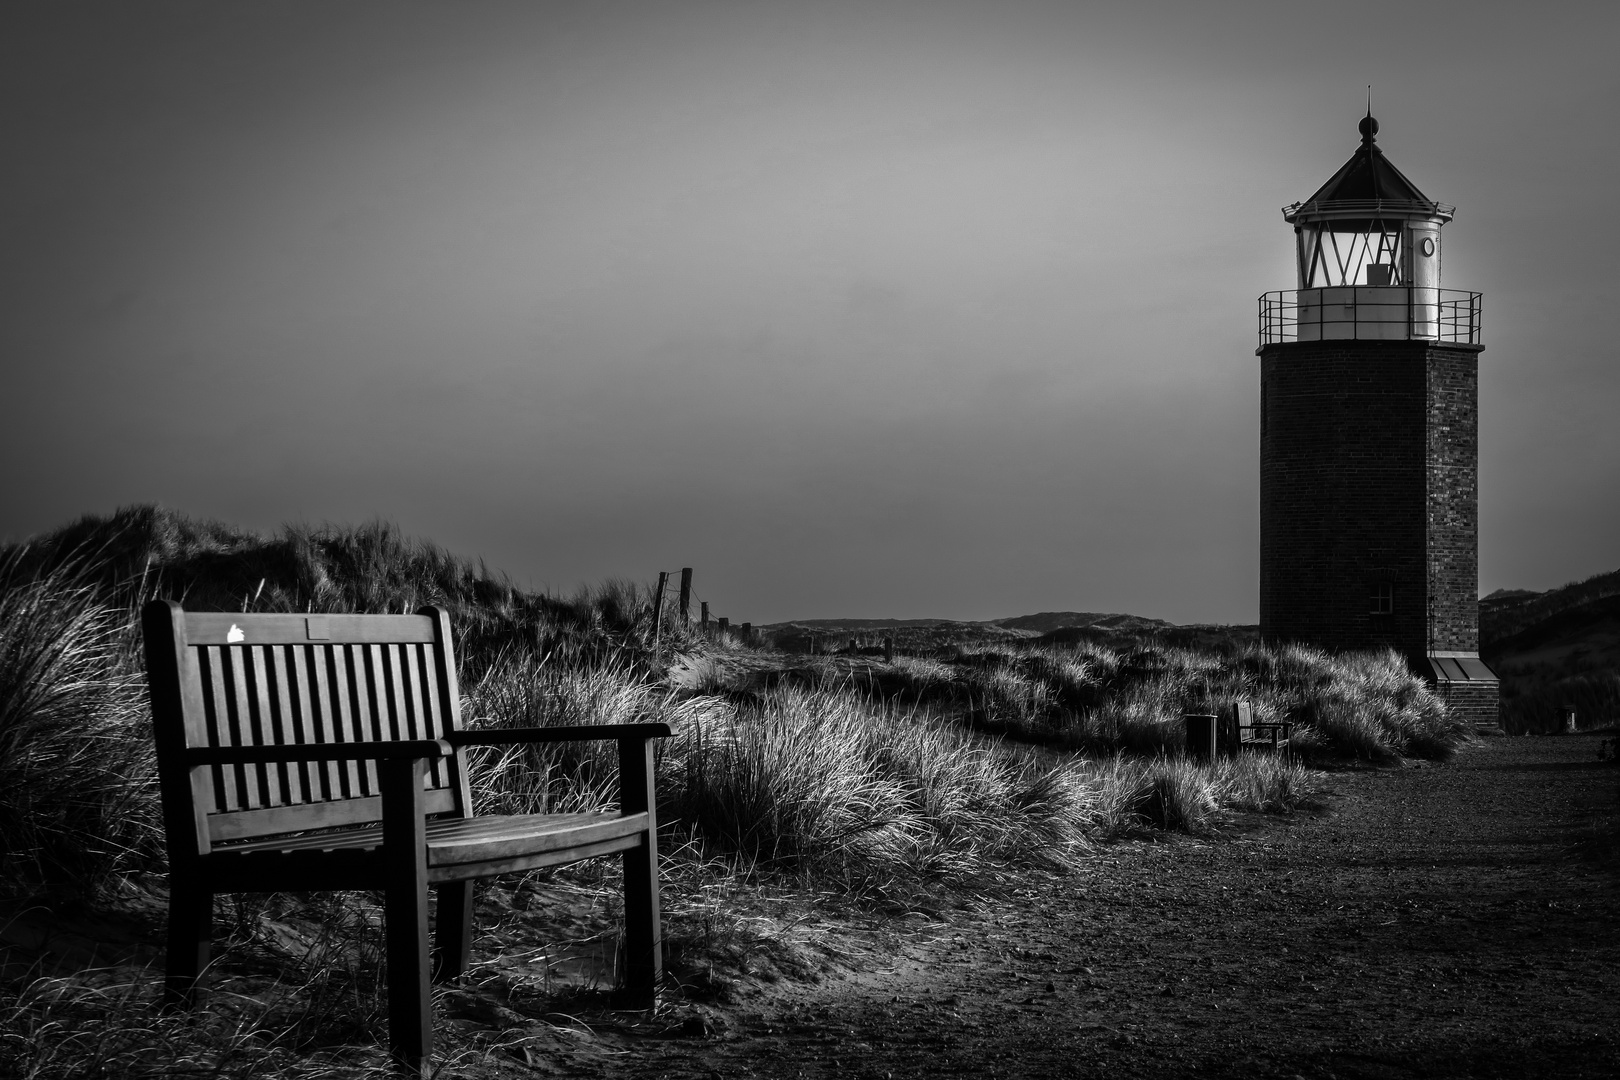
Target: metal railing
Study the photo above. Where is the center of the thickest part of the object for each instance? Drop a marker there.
(1371, 313)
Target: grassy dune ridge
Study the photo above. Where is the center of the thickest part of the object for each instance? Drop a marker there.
(897, 787)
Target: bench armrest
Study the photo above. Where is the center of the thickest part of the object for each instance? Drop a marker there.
(580, 733)
(405, 749)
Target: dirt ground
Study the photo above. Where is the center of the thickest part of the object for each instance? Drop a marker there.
(1437, 920)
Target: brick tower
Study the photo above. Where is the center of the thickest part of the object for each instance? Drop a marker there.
(1369, 421)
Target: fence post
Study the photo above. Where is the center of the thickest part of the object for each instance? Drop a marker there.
(658, 605)
(705, 604)
(888, 650)
(725, 626)
(686, 596)
(748, 633)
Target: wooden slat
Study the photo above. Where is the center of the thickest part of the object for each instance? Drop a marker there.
(450, 772)
(311, 774)
(439, 772)
(396, 711)
(536, 861)
(491, 838)
(238, 717)
(341, 675)
(363, 661)
(369, 834)
(250, 824)
(212, 696)
(418, 658)
(216, 628)
(283, 691)
(447, 695)
(259, 730)
(324, 715)
(272, 723)
(455, 840)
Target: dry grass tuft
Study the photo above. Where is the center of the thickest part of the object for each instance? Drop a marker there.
(77, 771)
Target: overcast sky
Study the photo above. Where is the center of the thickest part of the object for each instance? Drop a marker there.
(868, 309)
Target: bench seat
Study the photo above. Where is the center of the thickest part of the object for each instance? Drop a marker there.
(454, 847)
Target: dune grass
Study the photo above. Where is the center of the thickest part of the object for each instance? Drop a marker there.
(1097, 700)
(77, 794)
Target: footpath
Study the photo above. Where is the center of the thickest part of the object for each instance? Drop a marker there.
(1456, 920)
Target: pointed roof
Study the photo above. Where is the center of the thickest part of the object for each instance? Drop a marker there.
(1368, 187)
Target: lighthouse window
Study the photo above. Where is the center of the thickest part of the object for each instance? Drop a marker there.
(1359, 256)
(1381, 600)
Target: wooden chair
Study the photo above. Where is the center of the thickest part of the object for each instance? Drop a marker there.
(310, 752)
(1244, 731)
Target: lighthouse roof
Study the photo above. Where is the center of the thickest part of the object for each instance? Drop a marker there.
(1368, 187)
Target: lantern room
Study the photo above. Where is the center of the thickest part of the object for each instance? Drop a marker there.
(1369, 225)
(1367, 247)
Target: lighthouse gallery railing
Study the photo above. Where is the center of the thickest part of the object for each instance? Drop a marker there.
(1371, 313)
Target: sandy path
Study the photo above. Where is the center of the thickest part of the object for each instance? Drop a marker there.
(1438, 921)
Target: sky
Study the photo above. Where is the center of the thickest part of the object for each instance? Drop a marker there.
(881, 309)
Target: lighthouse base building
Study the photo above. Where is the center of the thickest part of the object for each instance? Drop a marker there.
(1369, 436)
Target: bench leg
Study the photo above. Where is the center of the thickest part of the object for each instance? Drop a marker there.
(643, 944)
(643, 934)
(452, 931)
(405, 914)
(191, 926)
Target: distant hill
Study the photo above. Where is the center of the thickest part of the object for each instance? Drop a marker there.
(868, 624)
(1507, 613)
(1555, 650)
(1047, 621)
(1047, 627)
(1042, 623)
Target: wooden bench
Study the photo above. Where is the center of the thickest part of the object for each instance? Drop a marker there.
(315, 752)
(1244, 731)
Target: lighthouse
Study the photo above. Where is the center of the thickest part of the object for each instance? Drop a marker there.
(1369, 435)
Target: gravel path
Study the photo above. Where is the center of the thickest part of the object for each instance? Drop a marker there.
(1455, 920)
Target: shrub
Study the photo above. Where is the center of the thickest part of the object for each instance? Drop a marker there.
(1180, 794)
(1370, 707)
(824, 781)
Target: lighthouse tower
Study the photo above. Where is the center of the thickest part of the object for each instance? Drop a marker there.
(1369, 422)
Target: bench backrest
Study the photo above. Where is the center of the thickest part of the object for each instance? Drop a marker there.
(1243, 715)
(280, 680)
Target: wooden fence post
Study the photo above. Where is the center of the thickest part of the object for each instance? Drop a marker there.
(725, 626)
(705, 618)
(748, 633)
(888, 650)
(686, 596)
(658, 605)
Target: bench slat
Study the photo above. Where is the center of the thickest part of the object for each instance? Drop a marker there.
(336, 813)
(467, 840)
(268, 725)
(303, 776)
(345, 711)
(227, 628)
